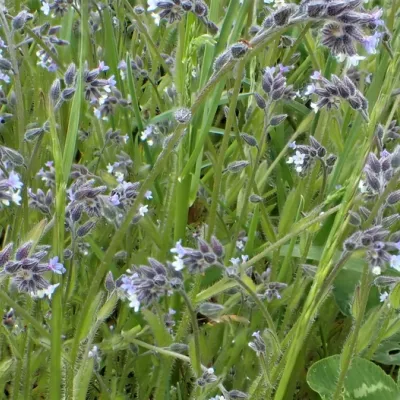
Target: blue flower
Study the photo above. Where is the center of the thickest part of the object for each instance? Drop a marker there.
(55, 266)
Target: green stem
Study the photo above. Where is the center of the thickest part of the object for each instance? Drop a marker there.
(349, 348)
(224, 146)
(257, 300)
(21, 311)
(294, 233)
(250, 183)
(196, 333)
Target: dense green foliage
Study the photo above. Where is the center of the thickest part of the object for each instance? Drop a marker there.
(202, 206)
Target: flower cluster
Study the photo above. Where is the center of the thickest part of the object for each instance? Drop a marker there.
(198, 260)
(146, 284)
(174, 10)
(329, 91)
(346, 25)
(306, 156)
(26, 268)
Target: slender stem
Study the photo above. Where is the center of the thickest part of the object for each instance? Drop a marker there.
(223, 148)
(294, 233)
(257, 300)
(250, 183)
(196, 333)
(21, 311)
(349, 348)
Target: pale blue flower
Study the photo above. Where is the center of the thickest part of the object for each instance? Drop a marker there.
(55, 266)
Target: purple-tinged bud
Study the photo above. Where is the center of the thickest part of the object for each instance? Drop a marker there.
(282, 15)
(395, 159)
(372, 180)
(354, 219)
(237, 166)
(221, 60)
(55, 90)
(203, 246)
(70, 75)
(187, 5)
(335, 8)
(237, 394)
(200, 9)
(238, 50)
(250, 140)
(217, 247)
(5, 65)
(5, 253)
(393, 198)
(212, 27)
(85, 229)
(23, 251)
(374, 163)
(260, 101)
(109, 282)
(68, 93)
(277, 119)
(315, 9)
(331, 160)
(11, 267)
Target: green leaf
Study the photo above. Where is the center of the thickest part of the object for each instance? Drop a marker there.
(364, 380)
(388, 352)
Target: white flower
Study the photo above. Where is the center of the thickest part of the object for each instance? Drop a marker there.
(148, 195)
(45, 8)
(178, 263)
(146, 134)
(297, 160)
(235, 261)
(110, 168)
(143, 210)
(120, 176)
(134, 302)
(151, 5)
(314, 106)
(376, 270)
(125, 138)
(351, 61)
(47, 292)
(16, 198)
(240, 245)
(383, 296)
(310, 89)
(156, 18)
(395, 262)
(362, 186)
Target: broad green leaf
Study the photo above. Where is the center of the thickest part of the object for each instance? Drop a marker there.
(365, 380)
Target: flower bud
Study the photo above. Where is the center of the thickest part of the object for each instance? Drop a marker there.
(183, 115)
(277, 119)
(260, 101)
(250, 140)
(237, 166)
(55, 90)
(238, 50)
(210, 309)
